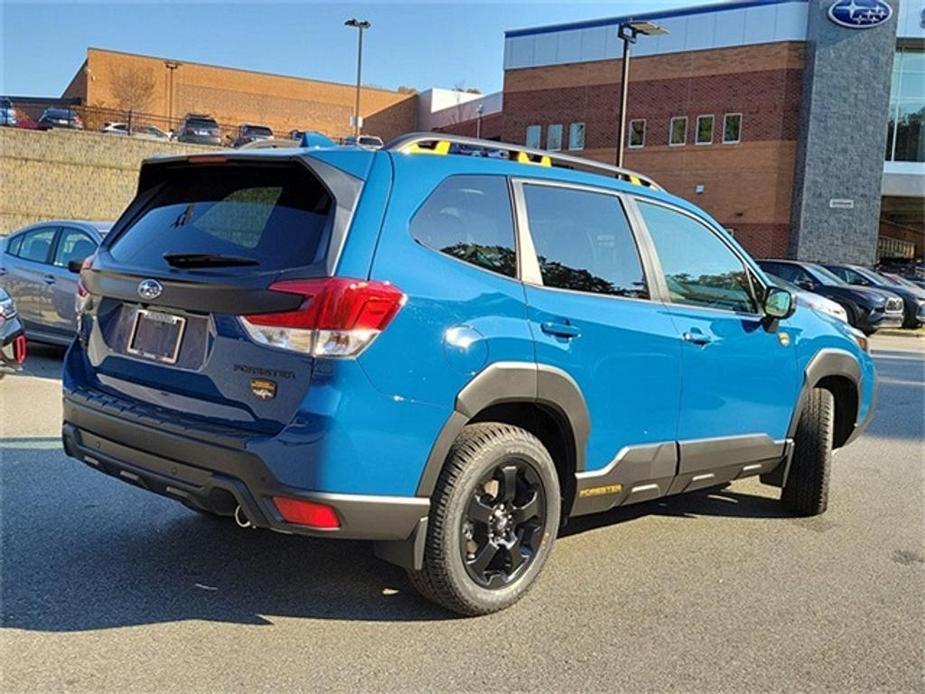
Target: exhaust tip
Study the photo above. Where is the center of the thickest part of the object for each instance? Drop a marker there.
(241, 518)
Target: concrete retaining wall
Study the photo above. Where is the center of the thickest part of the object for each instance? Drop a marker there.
(71, 174)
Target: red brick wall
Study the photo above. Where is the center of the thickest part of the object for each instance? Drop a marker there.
(747, 186)
(492, 125)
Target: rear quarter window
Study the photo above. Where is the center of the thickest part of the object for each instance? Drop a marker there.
(277, 215)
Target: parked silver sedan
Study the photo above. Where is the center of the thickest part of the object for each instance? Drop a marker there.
(39, 269)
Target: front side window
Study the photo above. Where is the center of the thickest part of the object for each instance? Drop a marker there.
(583, 241)
(470, 218)
(534, 135)
(732, 128)
(73, 244)
(554, 137)
(677, 134)
(705, 130)
(576, 136)
(36, 244)
(699, 268)
(637, 134)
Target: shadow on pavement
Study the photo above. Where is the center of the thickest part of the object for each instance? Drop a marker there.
(83, 552)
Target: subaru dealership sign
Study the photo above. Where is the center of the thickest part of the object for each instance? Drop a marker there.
(860, 14)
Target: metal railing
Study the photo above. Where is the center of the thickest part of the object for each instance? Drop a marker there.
(431, 143)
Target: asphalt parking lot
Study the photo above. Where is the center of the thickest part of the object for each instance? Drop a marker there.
(105, 587)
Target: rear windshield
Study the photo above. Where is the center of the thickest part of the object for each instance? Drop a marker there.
(201, 123)
(258, 130)
(276, 215)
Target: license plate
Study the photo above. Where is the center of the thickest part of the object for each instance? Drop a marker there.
(156, 335)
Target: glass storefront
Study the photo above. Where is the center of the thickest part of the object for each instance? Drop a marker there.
(906, 141)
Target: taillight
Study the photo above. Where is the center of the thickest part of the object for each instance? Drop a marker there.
(19, 349)
(310, 513)
(82, 292)
(339, 317)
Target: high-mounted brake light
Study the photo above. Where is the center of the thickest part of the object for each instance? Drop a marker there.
(339, 317)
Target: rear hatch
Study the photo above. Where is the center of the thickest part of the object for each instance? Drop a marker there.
(198, 249)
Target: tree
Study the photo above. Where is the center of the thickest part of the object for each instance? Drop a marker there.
(133, 87)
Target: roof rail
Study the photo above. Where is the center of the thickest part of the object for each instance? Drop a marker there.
(440, 143)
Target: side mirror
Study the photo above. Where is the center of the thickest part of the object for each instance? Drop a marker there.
(779, 303)
(75, 265)
(808, 285)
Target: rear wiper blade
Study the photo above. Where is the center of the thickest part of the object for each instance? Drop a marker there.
(206, 260)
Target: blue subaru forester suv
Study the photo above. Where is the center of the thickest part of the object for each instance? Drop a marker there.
(447, 354)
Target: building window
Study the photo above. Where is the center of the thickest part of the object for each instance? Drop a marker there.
(732, 128)
(576, 136)
(704, 130)
(637, 134)
(534, 134)
(554, 137)
(906, 139)
(677, 133)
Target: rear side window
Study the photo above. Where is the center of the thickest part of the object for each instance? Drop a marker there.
(699, 268)
(583, 241)
(278, 216)
(73, 244)
(470, 218)
(36, 244)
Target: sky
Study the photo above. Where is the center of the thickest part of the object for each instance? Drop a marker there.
(421, 45)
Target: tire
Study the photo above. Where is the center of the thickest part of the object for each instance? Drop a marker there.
(806, 492)
(490, 530)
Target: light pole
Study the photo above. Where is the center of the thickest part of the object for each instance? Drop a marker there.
(478, 121)
(171, 66)
(359, 25)
(628, 31)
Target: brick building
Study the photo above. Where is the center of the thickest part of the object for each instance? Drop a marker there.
(164, 90)
(767, 113)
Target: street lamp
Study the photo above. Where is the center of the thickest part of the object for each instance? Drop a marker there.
(628, 32)
(478, 121)
(171, 66)
(359, 25)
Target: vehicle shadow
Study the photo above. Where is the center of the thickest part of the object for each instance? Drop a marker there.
(91, 553)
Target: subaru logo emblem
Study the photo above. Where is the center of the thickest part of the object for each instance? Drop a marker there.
(860, 14)
(149, 289)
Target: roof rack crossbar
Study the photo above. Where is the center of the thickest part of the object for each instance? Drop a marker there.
(440, 142)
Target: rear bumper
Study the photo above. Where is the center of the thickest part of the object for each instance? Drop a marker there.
(216, 473)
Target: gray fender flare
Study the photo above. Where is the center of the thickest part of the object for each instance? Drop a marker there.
(504, 382)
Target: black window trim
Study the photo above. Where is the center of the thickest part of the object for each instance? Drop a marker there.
(530, 263)
(54, 242)
(518, 269)
(748, 267)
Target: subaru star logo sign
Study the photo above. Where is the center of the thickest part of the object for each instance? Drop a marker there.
(860, 14)
(149, 289)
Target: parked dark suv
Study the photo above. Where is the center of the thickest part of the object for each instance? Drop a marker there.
(200, 129)
(59, 118)
(913, 297)
(448, 355)
(868, 309)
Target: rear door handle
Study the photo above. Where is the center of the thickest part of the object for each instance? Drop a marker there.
(697, 338)
(49, 279)
(560, 329)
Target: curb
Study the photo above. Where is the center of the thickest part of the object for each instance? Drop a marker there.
(896, 332)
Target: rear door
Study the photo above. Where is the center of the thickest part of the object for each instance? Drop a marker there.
(739, 379)
(593, 315)
(195, 253)
(29, 279)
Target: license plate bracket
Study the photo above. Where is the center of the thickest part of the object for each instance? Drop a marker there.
(156, 335)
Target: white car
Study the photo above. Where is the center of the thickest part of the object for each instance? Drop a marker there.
(145, 132)
(811, 299)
